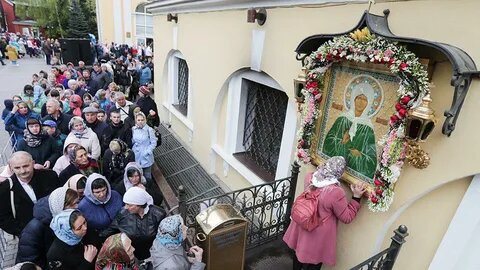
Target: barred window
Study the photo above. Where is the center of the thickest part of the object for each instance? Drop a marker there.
(182, 87)
(265, 113)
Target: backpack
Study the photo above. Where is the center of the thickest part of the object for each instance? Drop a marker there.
(305, 208)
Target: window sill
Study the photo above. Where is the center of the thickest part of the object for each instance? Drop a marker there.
(252, 166)
(171, 108)
(243, 170)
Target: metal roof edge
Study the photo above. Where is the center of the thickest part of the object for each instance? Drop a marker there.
(189, 6)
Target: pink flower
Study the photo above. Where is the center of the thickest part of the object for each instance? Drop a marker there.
(388, 53)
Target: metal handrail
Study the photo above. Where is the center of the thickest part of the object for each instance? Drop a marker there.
(385, 259)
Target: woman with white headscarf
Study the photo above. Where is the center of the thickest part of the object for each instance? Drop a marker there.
(37, 237)
(317, 246)
(139, 220)
(352, 136)
(167, 250)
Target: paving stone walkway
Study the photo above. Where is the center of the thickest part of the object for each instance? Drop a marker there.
(12, 81)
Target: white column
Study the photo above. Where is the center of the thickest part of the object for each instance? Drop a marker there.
(99, 21)
(127, 21)
(117, 22)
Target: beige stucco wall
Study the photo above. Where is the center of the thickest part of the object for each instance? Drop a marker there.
(106, 8)
(216, 44)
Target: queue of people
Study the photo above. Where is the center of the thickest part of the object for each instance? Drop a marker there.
(79, 191)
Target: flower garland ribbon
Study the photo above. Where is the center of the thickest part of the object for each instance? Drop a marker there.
(361, 46)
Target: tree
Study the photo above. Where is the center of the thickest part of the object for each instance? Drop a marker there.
(77, 23)
(55, 15)
(89, 9)
(50, 15)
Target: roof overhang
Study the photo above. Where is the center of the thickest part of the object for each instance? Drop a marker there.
(464, 68)
(189, 6)
(25, 22)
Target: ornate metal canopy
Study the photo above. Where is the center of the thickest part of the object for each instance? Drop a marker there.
(464, 68)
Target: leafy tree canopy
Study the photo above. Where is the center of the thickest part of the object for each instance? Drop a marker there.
(54, 15)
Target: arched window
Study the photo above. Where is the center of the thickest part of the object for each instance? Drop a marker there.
(179, 100)
(143, 24)
(259, 127)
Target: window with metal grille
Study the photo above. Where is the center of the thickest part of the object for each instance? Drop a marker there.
(265, 113)
(182, 87)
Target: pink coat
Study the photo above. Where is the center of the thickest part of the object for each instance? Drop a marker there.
(320, 245)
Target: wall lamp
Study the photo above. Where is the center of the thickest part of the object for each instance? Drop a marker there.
(171, 17)
(259, 15)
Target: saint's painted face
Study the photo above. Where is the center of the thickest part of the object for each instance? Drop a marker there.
(361, 103)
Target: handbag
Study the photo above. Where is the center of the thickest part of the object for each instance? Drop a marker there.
(159, 137)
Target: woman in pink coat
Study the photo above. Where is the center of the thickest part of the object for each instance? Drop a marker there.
(319, 245)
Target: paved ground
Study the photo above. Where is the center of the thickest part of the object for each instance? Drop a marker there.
(12, 80)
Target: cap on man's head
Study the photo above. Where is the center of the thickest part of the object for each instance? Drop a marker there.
(49, 123)
(90, 109)
(70, 64)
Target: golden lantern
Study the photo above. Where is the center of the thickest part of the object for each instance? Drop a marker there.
(420, 124)
(298, 85)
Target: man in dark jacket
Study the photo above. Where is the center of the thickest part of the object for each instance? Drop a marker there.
(139, 220)
(118, 129)
(28, 185)
(55, 114)
(100, 77)
(100, 128)
(91, 85)
(148, 106)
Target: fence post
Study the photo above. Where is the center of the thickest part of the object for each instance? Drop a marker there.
(291, 194)
(182, 202)
(397, 241)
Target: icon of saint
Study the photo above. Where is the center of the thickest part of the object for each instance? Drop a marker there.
(352, 135)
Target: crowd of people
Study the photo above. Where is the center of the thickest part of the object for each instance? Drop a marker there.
(78, 191)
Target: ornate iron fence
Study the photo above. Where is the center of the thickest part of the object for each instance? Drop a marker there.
(267, 208)
(385, 259)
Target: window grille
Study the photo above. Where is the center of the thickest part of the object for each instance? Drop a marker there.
(182, 91)
(265, 113)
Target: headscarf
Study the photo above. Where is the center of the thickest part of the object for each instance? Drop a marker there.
(56, 200)
(126, 181)
(113, 255)
(138, 196)
(33, 140)
(78, 134)
(89, 192)
(170, 233)
(72, 181)
(76, 103)
(329, 172)
(61, 227)
(364, 119)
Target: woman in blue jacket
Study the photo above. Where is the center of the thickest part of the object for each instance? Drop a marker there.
(18, 117)
(144, 142)
(99, 206)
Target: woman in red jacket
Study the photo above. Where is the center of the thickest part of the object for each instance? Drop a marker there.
(312, 248)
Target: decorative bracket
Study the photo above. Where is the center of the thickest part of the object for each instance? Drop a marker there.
(461, 82)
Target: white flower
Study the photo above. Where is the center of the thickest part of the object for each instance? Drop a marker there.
(395, 173)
